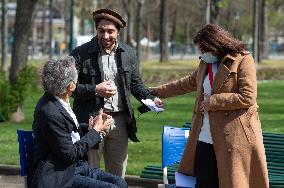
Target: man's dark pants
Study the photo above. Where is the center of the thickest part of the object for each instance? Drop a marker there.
(89, 177)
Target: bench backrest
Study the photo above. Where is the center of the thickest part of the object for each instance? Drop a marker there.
(174, 140)
(274, 150)
(173, 144)
(26, 141)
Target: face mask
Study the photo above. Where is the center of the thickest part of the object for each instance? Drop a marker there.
(209, 57)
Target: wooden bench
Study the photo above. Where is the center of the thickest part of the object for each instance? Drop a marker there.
(274, 149)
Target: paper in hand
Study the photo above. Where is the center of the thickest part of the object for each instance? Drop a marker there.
(150, 104)
(184, 181)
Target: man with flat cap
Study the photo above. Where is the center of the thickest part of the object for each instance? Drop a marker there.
(108, 74)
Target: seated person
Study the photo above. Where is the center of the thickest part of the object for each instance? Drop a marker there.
(59, 144)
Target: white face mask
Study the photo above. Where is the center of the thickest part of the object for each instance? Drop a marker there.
(209, 57)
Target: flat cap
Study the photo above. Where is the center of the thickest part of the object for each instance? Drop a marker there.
(109, 15)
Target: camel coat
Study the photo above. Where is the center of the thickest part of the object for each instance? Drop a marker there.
(234, 122)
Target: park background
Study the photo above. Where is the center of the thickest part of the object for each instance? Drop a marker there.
(33, 31)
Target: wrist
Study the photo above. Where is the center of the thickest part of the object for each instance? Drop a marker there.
(98, 129)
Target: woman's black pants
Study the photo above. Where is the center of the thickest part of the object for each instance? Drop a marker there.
(205, 166)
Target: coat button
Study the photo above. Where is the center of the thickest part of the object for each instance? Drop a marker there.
(226, 114)
(229, 150)
(226, 132)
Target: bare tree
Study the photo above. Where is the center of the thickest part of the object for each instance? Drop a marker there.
(214, 11)
(263, 31)
(3, 34)
(138, 27)
(22, 32)
(128, 7)
(50, 28)
(174, 25)
(84, 13)
(256, 31)
(164, 52)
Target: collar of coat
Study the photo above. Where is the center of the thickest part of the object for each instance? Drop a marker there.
(61, 109)
(229, 64)
(95, 47)
(234, 58)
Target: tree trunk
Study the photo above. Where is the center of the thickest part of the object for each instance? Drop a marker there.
(164, 52)
(149, 37)
(263, 32)
(3, 35)
(50, 28)
(82, 19)
(208, 11)
(138, 30)
(66, 24)
(22, 32)
(18, 115)
(174, 26)
(127, 8)
(71, 26)
(43, 41)
(255, 31)
(82, 25)
(214, 12)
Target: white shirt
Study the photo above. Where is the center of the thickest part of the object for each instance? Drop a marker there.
(109, 71)
(205, 134)
(66, 105)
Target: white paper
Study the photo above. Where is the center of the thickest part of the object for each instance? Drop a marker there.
(184, 180)
(150, 104)
(186, 133)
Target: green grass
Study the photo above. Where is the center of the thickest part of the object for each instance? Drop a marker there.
(148, 151)
(192, 64)
(178, 110)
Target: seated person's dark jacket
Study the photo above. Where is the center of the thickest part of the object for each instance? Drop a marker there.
(55, 155)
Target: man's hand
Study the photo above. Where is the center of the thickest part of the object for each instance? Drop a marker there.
(159, 102)
(205, 105)
(106, 89)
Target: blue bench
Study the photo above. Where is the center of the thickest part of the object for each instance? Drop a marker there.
(26, 142)
(274, 149)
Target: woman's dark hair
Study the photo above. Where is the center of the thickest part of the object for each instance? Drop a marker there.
(213, 38)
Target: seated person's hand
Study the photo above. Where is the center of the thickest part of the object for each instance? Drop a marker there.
(101, 122)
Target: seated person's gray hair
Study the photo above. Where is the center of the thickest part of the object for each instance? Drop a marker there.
(56, 75)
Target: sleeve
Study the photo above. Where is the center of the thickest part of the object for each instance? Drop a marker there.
(60, 142)
(83, 91)
(83, 129)
(247, 84)
(178, 87)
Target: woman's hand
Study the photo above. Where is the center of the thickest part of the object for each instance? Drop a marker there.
(205, 104)
(159, 102)
(100, 122)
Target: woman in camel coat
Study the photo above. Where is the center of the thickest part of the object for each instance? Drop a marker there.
(225, 147)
